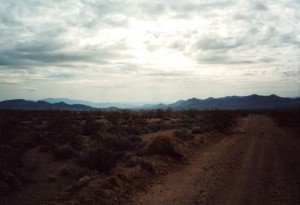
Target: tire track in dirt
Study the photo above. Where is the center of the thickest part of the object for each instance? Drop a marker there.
(258, 165)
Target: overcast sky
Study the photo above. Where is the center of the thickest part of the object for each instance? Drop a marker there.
(138, 50)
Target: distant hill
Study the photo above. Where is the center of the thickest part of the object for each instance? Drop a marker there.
(92, 104)
(20, 104)
(250, 102)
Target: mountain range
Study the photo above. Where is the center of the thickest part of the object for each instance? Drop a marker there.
(20, 104)
(93, 104)
(251, 102)
(236, 102)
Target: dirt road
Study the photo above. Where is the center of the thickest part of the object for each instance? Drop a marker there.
(258, 164)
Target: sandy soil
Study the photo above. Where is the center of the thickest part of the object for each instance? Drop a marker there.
(258, 164)
(46, 185)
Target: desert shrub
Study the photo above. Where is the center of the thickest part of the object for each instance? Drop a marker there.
(99, 159)
(25, 140)
(47, 147)
(141, 151)
(286, 118)
(9, 129)
(134, 139)
(132, 130)
(148, 166)
(72, 171)
(159, 113)
(113, 117)
(191, 113)
(8, 182)
(183, 134)
(135, 142)
(83, 181)
(10, 165)
(69, 133)
(163, 145)
(64, 152)
(145, 164)
(197, 130)
(90, 127)
(116, 143)
(10, 158)
(154, 127)
(218, 120)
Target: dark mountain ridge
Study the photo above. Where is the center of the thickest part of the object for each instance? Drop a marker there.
(251, 102)
(236, 102)
(20, 104)
(93, 104)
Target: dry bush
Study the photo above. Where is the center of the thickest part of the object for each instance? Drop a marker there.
(91, 127)
(286, 118)
(72, 171)
(116, 143)
(144, 163)
(197, 130)
(183, 135)
(10, 165)
(83, 181)
(64, 152)
(47, 147)
(163, 145)
(99, 159)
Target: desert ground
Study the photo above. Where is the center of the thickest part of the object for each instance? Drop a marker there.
(258, 164)
(150, 157)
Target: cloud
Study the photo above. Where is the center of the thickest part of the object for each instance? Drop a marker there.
(9, 81)
(222, 59)
(259, 6)
(45, 43)
(29, 89)
(292, 73)
(215, 43)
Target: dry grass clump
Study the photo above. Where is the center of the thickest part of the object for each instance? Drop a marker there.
(164, 145)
